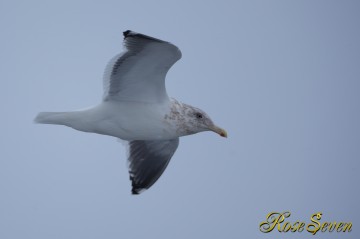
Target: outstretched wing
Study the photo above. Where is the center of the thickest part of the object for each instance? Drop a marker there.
(148, 160)
(138, 73)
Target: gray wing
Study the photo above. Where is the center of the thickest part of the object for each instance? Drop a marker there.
(138, 74)
(148, 160)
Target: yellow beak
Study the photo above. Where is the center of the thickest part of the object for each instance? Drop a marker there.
(219, 131)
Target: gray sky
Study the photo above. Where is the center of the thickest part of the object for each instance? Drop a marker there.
(282, 77)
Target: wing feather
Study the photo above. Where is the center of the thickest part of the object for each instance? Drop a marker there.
(147, 161)
(138, 74)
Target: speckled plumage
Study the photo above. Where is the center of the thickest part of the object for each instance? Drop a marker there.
(183, 116)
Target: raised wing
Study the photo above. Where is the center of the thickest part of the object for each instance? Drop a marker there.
(138, 74)
(148, 160)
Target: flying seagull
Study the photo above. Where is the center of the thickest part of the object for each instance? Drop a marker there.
(136, 108)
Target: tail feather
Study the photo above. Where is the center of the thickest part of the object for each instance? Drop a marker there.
(49, 118)
(74, 119)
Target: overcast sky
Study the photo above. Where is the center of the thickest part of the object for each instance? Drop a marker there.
(282, 77)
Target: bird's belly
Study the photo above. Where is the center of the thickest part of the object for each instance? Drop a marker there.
(136, 122)
(136, 130)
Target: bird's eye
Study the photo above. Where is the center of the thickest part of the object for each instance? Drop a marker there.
(199, 115)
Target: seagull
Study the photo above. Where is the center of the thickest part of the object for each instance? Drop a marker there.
(137, 109)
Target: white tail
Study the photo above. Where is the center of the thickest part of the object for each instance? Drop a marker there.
(50, 118)
(74, 119)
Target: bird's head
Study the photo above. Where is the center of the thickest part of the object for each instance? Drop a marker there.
(197, 120)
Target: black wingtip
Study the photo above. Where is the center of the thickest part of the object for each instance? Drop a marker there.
(126, 33)
(133, 34)
(137, 190)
